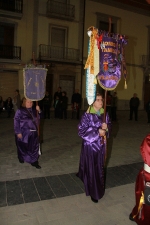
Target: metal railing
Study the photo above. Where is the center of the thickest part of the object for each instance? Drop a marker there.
(53, 52)
(10, 52)
(60, 9)
(12, 5)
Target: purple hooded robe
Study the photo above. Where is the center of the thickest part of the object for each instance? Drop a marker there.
(25, 123)
(92, 158)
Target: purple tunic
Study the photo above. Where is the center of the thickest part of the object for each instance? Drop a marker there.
(28, 145)
(91, 167)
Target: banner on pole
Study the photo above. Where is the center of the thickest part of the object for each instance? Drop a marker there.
(111, 60)
(34, 80)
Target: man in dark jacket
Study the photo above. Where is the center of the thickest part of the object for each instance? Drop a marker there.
(76, 102)
(63, 106)
(58, 94)
(134, 104)
(47, 105)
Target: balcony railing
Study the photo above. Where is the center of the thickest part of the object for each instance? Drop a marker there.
(12, 5)
(48, 52)
(60, 10)
(10, 52)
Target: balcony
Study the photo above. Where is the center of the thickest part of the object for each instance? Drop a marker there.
(53, 53)
(10, 53)
(11, 8)
(60, 10)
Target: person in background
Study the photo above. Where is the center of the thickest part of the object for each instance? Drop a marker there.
(109, 103)
(63, 106)
(57, 107)
(1, 104)
(147, 107)
(8, 106)
(141, 212)
(114, 102)
(134, 104)
(58, 94)
(26, 125)
(47, 105)
(76, 102)
(17, 99)
(93, 131)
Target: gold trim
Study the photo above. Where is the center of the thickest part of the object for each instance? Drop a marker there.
(108, 89)
(24, 85)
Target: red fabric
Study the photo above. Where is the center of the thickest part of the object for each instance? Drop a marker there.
(145, 150)
(139, 187)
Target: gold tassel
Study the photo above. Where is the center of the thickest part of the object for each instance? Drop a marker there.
(125, 85)
(140, 204)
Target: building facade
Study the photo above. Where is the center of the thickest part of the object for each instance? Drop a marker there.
(54, 33)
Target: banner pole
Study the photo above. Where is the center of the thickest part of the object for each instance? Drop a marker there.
(34, 63)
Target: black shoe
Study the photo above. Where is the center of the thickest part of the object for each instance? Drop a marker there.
(38, 167)
(131, 217)
(36, 164)
(21, 161)
(94, 200)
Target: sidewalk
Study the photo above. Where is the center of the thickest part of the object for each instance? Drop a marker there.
(60, 158)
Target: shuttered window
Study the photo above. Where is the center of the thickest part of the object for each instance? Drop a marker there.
(58, 37)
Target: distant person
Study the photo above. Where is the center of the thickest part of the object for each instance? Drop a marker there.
(26, 125)
(134, 104)
(57, 107)
(141, 212)
(8, 106)
(58, 94)
(76, 102)
(63, 106)
(147, 107)
(47, 105)
(16, 100)
(1, 104)
(93, 131)
(114, 103)
(109, 104)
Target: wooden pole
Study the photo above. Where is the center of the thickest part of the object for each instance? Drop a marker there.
(34, 63)
(105, 97)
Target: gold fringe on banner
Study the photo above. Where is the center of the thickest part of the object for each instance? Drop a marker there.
(90, 59)
(125, 85)
(96, 61)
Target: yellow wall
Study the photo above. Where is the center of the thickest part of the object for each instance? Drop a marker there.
(134, 26)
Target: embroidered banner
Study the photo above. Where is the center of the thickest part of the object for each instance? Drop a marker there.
(34, 83)
(111, 59)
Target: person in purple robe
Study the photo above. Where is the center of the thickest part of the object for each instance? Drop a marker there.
(26, 125)
(93, 131)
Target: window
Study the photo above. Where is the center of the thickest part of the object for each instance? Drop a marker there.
(105, 26)
(103, 22)
(6, 34)
(58, 42)
(58, 37)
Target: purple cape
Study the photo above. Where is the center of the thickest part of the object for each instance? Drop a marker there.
(91, 167)
(28, 145)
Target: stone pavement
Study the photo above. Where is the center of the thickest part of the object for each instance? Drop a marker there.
(65, 202)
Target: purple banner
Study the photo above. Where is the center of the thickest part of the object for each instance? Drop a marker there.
(34, 83)
(110, 63)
